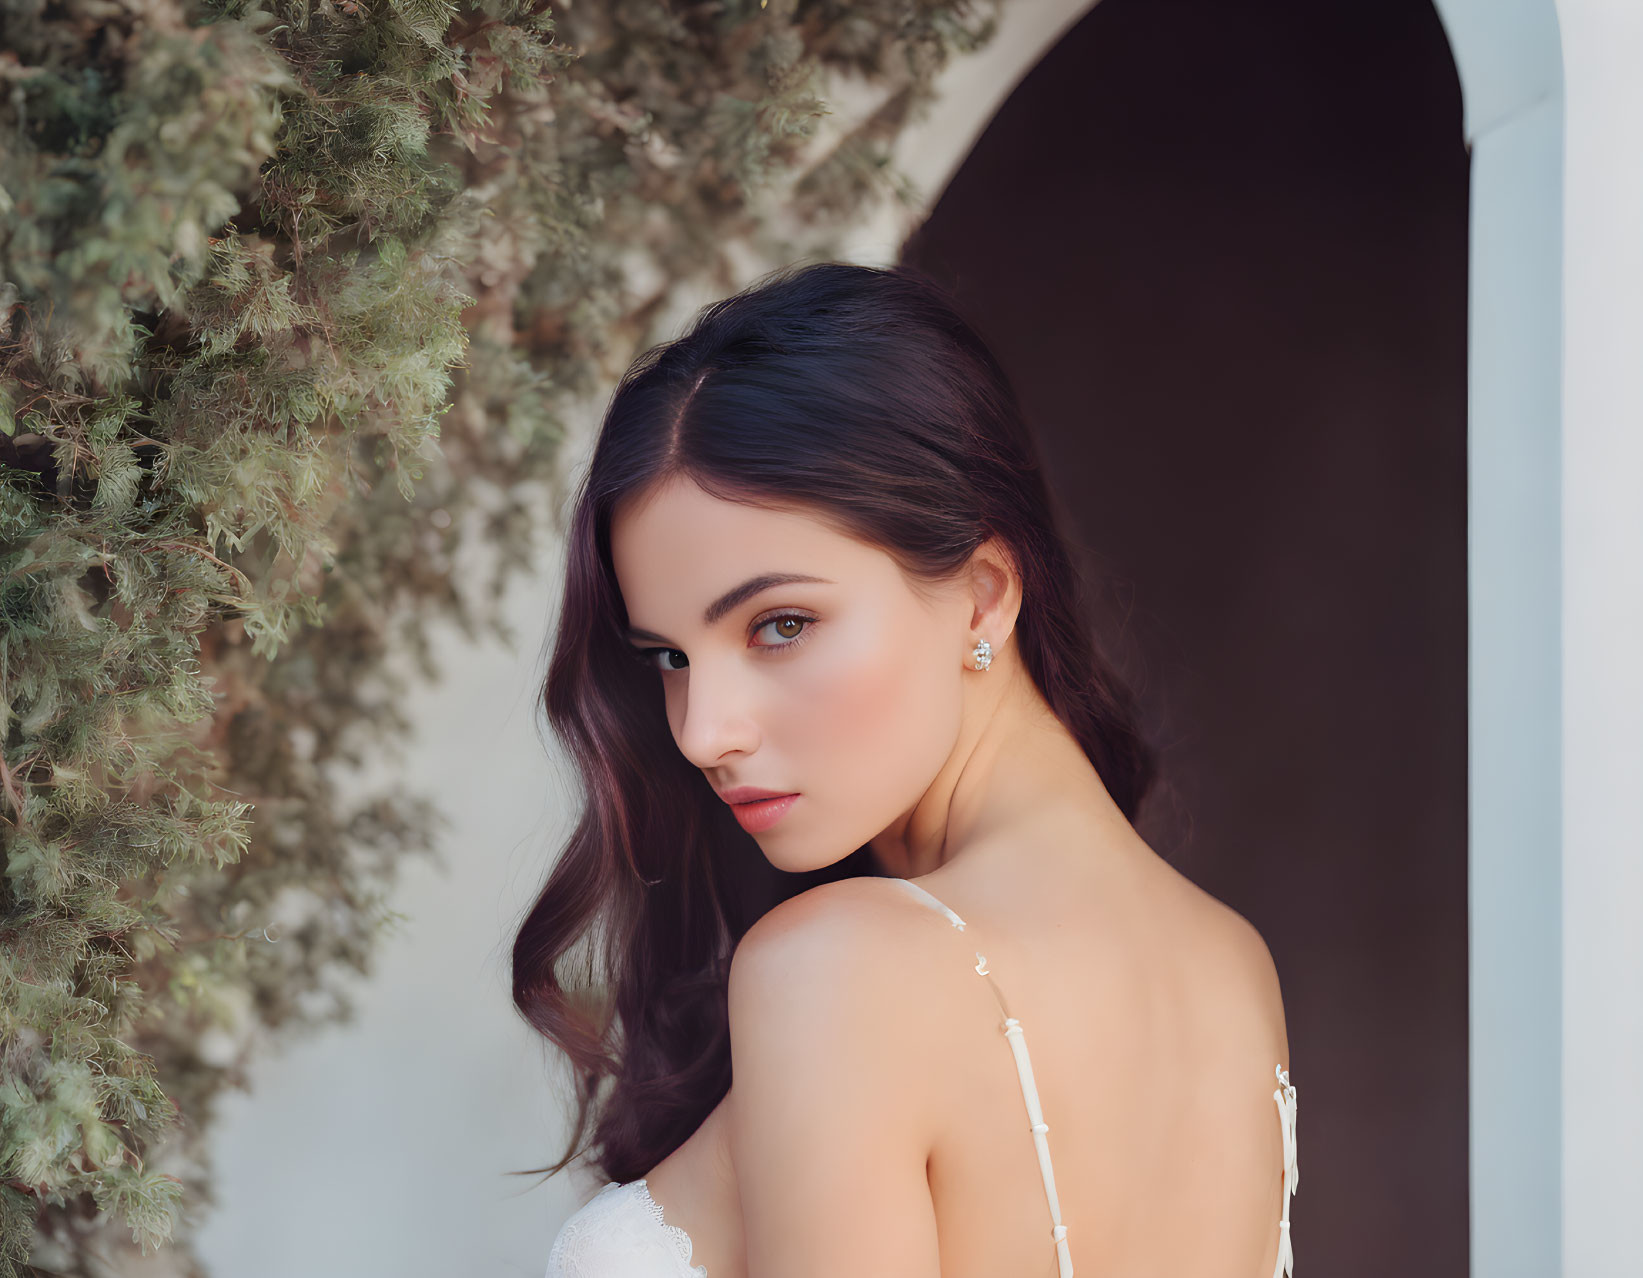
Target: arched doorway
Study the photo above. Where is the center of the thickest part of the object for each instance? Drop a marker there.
(1223, 252)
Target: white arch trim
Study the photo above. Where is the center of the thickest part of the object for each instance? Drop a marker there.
(1510, 65)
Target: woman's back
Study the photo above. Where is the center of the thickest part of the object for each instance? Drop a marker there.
(1153, 1020)
(1154, 1024)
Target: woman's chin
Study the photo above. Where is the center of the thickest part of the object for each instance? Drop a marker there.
(793, 857)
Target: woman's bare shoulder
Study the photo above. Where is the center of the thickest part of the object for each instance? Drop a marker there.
(829, 1001)
(821, 987)
(855, 969)
(838, 941)
(1235, 965)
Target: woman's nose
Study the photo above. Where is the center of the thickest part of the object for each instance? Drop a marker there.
(716, 717)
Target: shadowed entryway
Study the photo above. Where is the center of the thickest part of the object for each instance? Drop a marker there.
(1222, 251)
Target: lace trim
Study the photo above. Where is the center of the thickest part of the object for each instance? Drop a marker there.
(621, 1225)
(674, 1234)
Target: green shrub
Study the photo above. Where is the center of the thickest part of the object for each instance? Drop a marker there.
(295, 305)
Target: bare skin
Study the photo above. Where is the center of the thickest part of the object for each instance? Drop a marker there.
(1152, 1011)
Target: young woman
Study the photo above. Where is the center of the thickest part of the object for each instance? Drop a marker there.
(858, 829)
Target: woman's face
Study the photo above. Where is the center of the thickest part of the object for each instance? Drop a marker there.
(793, 659)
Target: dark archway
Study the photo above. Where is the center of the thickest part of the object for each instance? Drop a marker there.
(1222, 250)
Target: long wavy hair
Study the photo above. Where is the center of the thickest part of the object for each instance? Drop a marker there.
(857, 393)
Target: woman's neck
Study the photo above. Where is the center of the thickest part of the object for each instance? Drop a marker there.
(1013, 762)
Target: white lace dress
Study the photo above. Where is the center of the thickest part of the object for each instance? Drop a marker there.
(620, 1233)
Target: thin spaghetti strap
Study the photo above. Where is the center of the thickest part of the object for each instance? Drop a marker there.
(1285, 1098)
(1029, 1086)
(929, 898)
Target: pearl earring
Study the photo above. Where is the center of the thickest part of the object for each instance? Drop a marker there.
(983, 654)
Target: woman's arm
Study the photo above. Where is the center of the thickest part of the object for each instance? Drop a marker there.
(830, 1127)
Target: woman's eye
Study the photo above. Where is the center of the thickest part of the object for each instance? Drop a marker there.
(785, 631)
(789, 629)
(661, 658)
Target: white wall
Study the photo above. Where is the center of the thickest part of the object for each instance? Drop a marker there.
(1511, 78)
(379, 1149)
(1602, 638)
(1555, 117)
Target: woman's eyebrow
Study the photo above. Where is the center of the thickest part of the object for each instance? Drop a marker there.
(736, 596)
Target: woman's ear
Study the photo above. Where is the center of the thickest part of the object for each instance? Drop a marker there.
(995, 592)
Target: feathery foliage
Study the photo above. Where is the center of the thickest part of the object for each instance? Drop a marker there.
(295, 304)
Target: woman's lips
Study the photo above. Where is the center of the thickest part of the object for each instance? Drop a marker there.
(761, 814)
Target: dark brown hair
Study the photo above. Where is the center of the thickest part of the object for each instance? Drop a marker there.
(858, 394)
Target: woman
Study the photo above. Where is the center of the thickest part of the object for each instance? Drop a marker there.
(858, 825)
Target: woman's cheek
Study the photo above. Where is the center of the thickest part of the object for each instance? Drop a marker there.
(882, 720)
